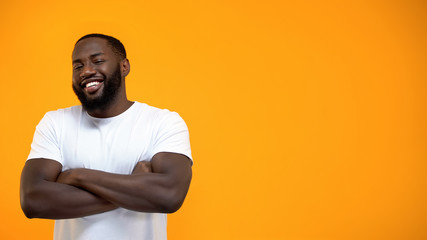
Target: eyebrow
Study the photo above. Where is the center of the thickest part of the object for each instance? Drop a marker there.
(91, 56)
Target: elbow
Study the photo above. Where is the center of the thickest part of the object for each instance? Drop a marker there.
(171, 207)
(174, 199)
(28, 213)
(27, 208)
(173, 203)
(31, 207)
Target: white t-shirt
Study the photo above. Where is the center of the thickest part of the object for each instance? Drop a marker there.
(77, 140)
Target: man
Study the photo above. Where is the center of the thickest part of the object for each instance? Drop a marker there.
(110, 168)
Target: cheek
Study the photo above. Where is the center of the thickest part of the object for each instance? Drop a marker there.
(109, 68)
(74, 81)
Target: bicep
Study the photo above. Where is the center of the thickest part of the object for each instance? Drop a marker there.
(176, 170)
(37, 176)
(39, 169)
(42, 197)
(173, 164)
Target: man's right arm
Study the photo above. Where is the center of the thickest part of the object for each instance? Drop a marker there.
(42, 197)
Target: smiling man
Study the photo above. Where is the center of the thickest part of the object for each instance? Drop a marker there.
(110, 168)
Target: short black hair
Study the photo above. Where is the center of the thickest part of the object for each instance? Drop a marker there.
(116, 45)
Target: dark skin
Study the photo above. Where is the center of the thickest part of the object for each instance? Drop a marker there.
(157, 186)
(92, 59)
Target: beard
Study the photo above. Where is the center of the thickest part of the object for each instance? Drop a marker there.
(109, 93)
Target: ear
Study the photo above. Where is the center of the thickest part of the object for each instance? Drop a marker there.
(125, 67)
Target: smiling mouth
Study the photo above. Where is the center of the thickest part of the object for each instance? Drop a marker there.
(91, 84)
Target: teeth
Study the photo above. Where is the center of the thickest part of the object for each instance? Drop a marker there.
(92, 84)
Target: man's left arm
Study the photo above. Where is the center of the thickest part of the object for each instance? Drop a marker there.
(162, 190)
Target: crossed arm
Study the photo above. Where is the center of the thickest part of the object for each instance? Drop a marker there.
(161, 186)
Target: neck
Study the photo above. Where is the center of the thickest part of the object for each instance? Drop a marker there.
(117, 106)
(112, 110)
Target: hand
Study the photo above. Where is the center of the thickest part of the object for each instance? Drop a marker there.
(142, 167)
(68, 177)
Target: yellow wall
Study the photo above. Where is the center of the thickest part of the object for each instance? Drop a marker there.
(307, 118)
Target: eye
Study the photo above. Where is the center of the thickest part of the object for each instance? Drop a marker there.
(77, 67)
(98, 61)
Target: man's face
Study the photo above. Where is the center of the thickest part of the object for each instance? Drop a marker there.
(96, 73)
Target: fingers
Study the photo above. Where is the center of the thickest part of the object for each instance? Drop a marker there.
(142, 167)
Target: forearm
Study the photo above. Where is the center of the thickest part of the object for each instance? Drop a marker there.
(147, 192)
(53, 200)
(162, 188)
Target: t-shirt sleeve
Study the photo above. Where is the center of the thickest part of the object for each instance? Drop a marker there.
(46, 139)
(172, 136)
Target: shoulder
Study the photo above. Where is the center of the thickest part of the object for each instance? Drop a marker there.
(156, 114)
(74, 110)
(57, 116)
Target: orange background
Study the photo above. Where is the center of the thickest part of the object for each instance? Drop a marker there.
(307, 118)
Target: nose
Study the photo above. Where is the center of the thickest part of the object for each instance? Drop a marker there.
(87, 72)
